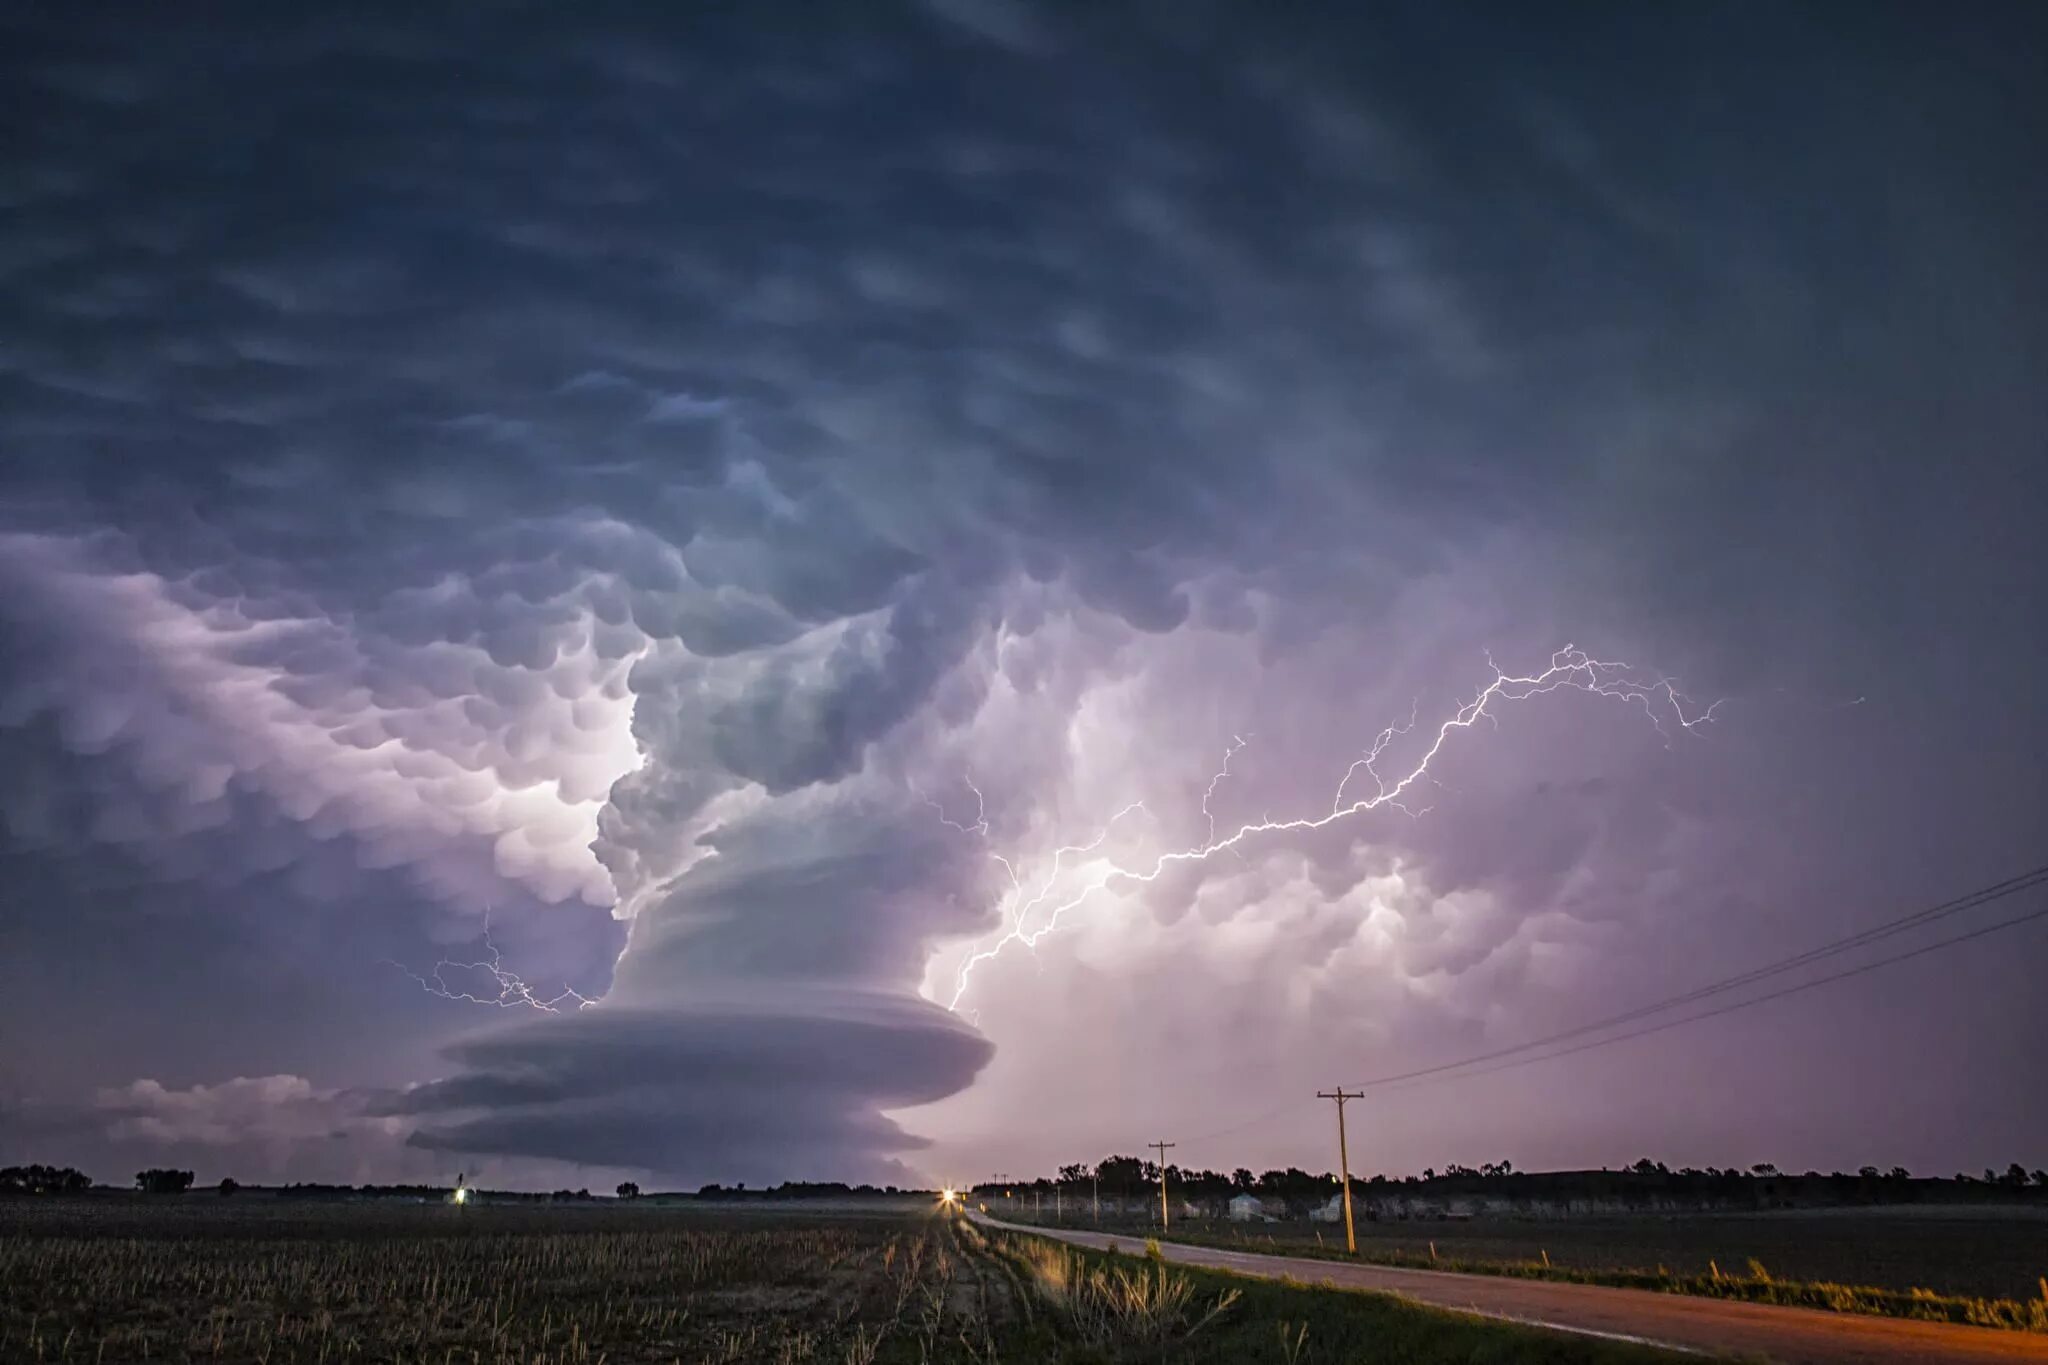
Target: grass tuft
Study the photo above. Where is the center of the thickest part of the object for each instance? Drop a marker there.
(1115, 1306)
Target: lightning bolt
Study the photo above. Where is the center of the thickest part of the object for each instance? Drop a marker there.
(512, 990)
(1570, 667)
(1236, 743)
(1371, 758)
(980, 825)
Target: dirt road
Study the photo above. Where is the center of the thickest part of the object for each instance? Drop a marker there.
(1792, 1336)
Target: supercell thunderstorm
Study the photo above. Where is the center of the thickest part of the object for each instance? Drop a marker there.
(654, 594)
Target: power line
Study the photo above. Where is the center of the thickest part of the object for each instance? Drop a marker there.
(1982, 896)
(1921, 951)
(1253, 1122)
(1932, 914)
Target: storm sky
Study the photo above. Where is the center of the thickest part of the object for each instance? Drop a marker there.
(687, 502)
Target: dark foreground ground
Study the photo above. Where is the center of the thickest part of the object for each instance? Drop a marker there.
(1789, 1336)
(202, 1278)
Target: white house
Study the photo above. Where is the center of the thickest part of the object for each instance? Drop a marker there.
(1332, 1212)
(1245, 1209)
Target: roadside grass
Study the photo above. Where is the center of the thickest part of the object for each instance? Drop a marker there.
(1753, 1284)
(1950, 1253)
(1107, 1304)
(1126, 1308)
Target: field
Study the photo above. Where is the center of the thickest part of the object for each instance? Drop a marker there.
(1978, 1258)
(249, 1279)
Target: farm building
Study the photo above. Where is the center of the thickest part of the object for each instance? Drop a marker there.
(1245, 1208)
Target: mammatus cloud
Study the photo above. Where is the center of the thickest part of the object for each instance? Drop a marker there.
(634, 467)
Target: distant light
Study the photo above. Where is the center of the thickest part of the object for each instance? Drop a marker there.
(949, 1196)
(462, 1196)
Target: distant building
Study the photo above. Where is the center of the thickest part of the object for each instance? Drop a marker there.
(1332, 1212)
(1245, 1208)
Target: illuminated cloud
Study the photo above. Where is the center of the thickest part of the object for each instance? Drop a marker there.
(638, 479)
(478, 758)
(266, 1108)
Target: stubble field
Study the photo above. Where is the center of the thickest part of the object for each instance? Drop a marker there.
(250, 1279)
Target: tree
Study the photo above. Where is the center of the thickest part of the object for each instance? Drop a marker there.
(1867, 1172)
(1121, 1174)
(159, 1181)
(1763, 1168)
(228, 1184)
(2016, 1175)
(1242, 1179)
(628, 1190)
(2041, 1177)
(40, 1179)
(1900, 1173)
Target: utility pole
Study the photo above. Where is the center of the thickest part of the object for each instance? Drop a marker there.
(1164, 1219)
(1340, 1094)
(1095, 1178)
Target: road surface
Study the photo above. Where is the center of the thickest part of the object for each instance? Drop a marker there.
(1792, 1336)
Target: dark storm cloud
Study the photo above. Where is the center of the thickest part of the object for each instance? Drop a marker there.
(554, 461)
(754, 1088)
(755, 1024)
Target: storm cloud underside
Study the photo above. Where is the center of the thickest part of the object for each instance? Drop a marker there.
(629, 475)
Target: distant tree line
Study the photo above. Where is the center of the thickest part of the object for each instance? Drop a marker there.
(1128, 1178)
(40, 1179)
(316, 1190)
(796, 1189)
